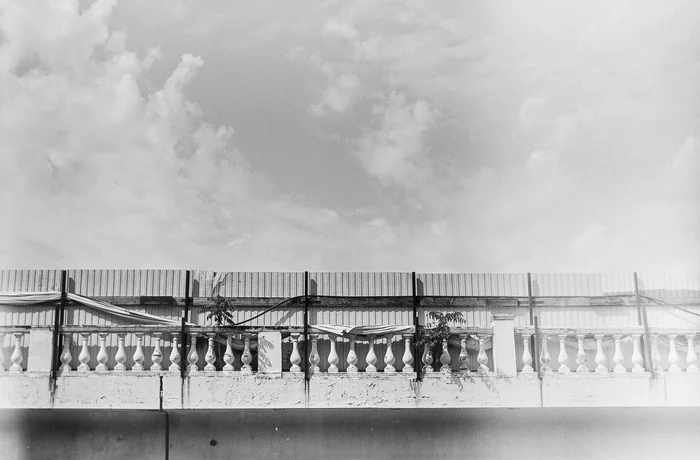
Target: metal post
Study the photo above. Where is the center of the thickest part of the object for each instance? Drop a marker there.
(57, 336)
(416, 354)
(533, 322)
(185, 318)
(642, 313)
(306, 325)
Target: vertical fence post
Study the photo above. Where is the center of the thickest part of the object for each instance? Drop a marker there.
(534, 340)
(57, 336)
(306, 325)
(642, 314)
(416, 336)
(185, 318)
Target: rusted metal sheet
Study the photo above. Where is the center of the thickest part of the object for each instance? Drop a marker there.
(379, 284)
(472, 284)
(30, 280)
(249, 284)
(669, 285)
(116, 283)
(581, 284)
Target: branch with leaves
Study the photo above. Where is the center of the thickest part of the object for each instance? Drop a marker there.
(438, 328)
(220, 309)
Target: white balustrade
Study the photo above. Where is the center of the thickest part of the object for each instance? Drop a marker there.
(138, 357)
(174, 354)
(84, 356)
(482, 358)
(545, 359)
(673, 358)
(691, 357)
(563, 357)
(463, 353)
(193, 356)
(66, 356)
(247, 356)
(371, 357)
(17, 357)
(618, 357)
(427, 359)
(655, 353)
(120, 357)
(333, 358)
(157, 355)
(527, 354)
(445, 358)
(102, 356)
(352, 357)
(210, 357)
(295, 358)
(314, 357)
(637, 359)
(600, 359)
(581, 358)
(389, 358)
(407, 355)
(229, 357)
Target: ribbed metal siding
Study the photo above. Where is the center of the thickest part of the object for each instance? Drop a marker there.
(285, 316)
(361, 316)
(27, 315)
(116, 283)
(380, 284)
(30, 280)
(581, 284)
(587, 316)
(473, 284)
(250, 284)
(669, 317)
(477, 316)
(665, 285)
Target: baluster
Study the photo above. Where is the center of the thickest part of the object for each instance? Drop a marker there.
(229, 357)
(314, 357)
(333, 358)
(2, 353)
(581, 358)
(673, 358)
(193, 356)
(389, 358)
(371, 356)
(563, 356)
(102, 356)
(352, 357)
(407, 355)
(66, 357)
(655, 353)
(427, 359)
(17, 357)
(120, 357)
(174, 355)
(84, 356)
(599, 355)
(691, 357)
(637, 359)
(247, 356)
(295, 358)
(445, 358)
(482, 358)
(138, 357)
(157, 355)
(210, 357)
(618, 357)
(527, 355)
(544, 356)
(463, 353)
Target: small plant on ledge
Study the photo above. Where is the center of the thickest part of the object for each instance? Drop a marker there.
(438, 330)
(220, 309)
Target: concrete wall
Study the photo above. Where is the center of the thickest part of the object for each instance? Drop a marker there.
(228, 391)
(572, 433)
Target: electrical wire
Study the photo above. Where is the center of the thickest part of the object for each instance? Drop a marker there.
(666, 304)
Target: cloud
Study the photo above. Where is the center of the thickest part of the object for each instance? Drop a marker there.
(395, 152)
(343, 86)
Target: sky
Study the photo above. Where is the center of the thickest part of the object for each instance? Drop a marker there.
(356, 135)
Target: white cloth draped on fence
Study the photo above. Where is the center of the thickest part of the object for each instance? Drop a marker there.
(31, 298)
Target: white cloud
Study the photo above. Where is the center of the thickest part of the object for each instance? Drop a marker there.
(395, 152)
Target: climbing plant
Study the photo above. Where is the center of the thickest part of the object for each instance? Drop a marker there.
(220, 309)
(438, 328)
